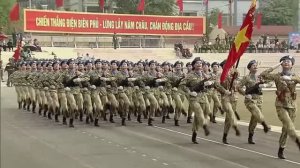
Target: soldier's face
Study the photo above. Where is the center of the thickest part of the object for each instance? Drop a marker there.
(189, 67)
(287, 64)
(253, 68)
(56, 66)
(178, 67)
(114, 66)
(80, 67)
(205, 68)
(198, 65)
(124, 66)
(49, 68)
(140, 66)
(104, 66)
(166, 67)
(33, 66)
(71, 65)
(89, 66)
(215, 68)
(152, 66)
(98, 65)
(23, 67)
(64, 66)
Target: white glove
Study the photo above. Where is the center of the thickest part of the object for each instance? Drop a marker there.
(67, 89)
(160, 80)
(208, 83)
(136, 87)
(147, 88)
(248, 96)
(120, 88)
(112, 78)
(227, 92)
(131, 79)
(93, 87)
(276, 66)
(174, 89)
(46, 88)
(262, 85)
(108, 86)
(160, 87)
(287, 78)
(104, 79)
(194, 94)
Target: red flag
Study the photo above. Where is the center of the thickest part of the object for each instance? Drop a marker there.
(241, 41)
(101, 4)
(141, 6)
(59, 3)
(258, 20)
(220, 20)
(180, 5)
(14, 14)
(17, 53)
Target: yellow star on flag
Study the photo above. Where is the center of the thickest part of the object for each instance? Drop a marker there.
(241, 38)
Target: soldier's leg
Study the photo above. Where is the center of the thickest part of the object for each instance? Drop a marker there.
(72, 106)
(216, 105)
(178, 108)
(50, 104)
(153, 107)
(33, 98)
(251, 128)
(19, 96)
(230, 119)
(88, 105)
(29, 98)
(141, 106)
(55, 104)
(234, 107)
(43, 101)
(98, 106)
(114, 104)
(63, 106)
(165, 105)
(124, 110)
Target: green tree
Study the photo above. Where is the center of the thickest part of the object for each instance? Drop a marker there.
(152, 7)
(279, 12)
(8, 27)
(212, 20)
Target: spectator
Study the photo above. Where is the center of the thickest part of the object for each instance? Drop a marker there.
(36, 44)
(10, 46)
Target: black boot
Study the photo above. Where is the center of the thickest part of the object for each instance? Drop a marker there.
(128, 117)
(104, 117)
(150, 122)
(111, 119)
(96, 123)
(71, 123)
(91, 118)
(33, 107)
(250, 139)
(298, 143)
(224, 139)
(28, 104)
(56, 118)
(40, 109)
(266, 127)
(20, 105)
(64, 121)
(237, 115)
(139, 118)
(80, 115)
(163, 120)
(189, 120)
(237, 131)
(45, 110)
(176, 123)
(49, 115)
(123, 122)
(221, 110)
(280, 153)
(194, 138)
(206, 131)
(24, 105)
(87, 120)
(213, 119)
(168, 116)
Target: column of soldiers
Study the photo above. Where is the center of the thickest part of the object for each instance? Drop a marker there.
(94, 90)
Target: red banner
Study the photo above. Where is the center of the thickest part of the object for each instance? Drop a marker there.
(91, 23)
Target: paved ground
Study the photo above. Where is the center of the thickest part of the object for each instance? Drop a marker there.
(31, 141)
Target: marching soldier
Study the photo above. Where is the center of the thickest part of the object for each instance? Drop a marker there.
(285, 103)
(253, 99)
(10, 68)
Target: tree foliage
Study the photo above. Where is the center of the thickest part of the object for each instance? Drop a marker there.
(9, 27)
(279, 12)
(152, 7)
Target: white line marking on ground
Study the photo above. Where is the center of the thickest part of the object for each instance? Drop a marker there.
(166, 164)
(236, 147)
(144, 155)
(154, 159)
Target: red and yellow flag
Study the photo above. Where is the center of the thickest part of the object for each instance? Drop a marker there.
(241, 41)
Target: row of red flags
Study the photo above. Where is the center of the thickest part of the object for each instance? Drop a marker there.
(258, 20)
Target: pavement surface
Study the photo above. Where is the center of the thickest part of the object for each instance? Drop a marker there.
(31, 141)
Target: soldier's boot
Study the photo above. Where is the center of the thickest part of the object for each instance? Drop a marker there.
(150, 122)
(104, 117)
(213, 118)
(129, 117)
(87, 119)
(20, 105)
(64, 121)
(168, 116)
(224, 140)
(194, 137)
(163, 119)
(176, 122)
(250, 139)
(24, 105)
(45, 110)
(206, 130)
(280, 153)
(221, 110)
(237, 131)
(40, 109)
(33, 106)
(50, 115)
(266, 127)
(96, 124)
(56, 118)
(123, 121)
(237, 115)
(80, 115)
(139, 119)
(71, 123)
(298, 143)
(111, 119)
(28, 104)
(145, 115)
(189, 120)
(91, 118)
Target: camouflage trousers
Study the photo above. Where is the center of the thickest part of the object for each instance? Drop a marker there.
(124, 103)
(96, 103)
(152, 103)
(87, 101)
(196, 108)
(55, 102)
(230, 118)
(19, 93)
(139, 102)
(254, 105)
(72, 108)
(178, 104)
(287, 117)
(63, 104)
